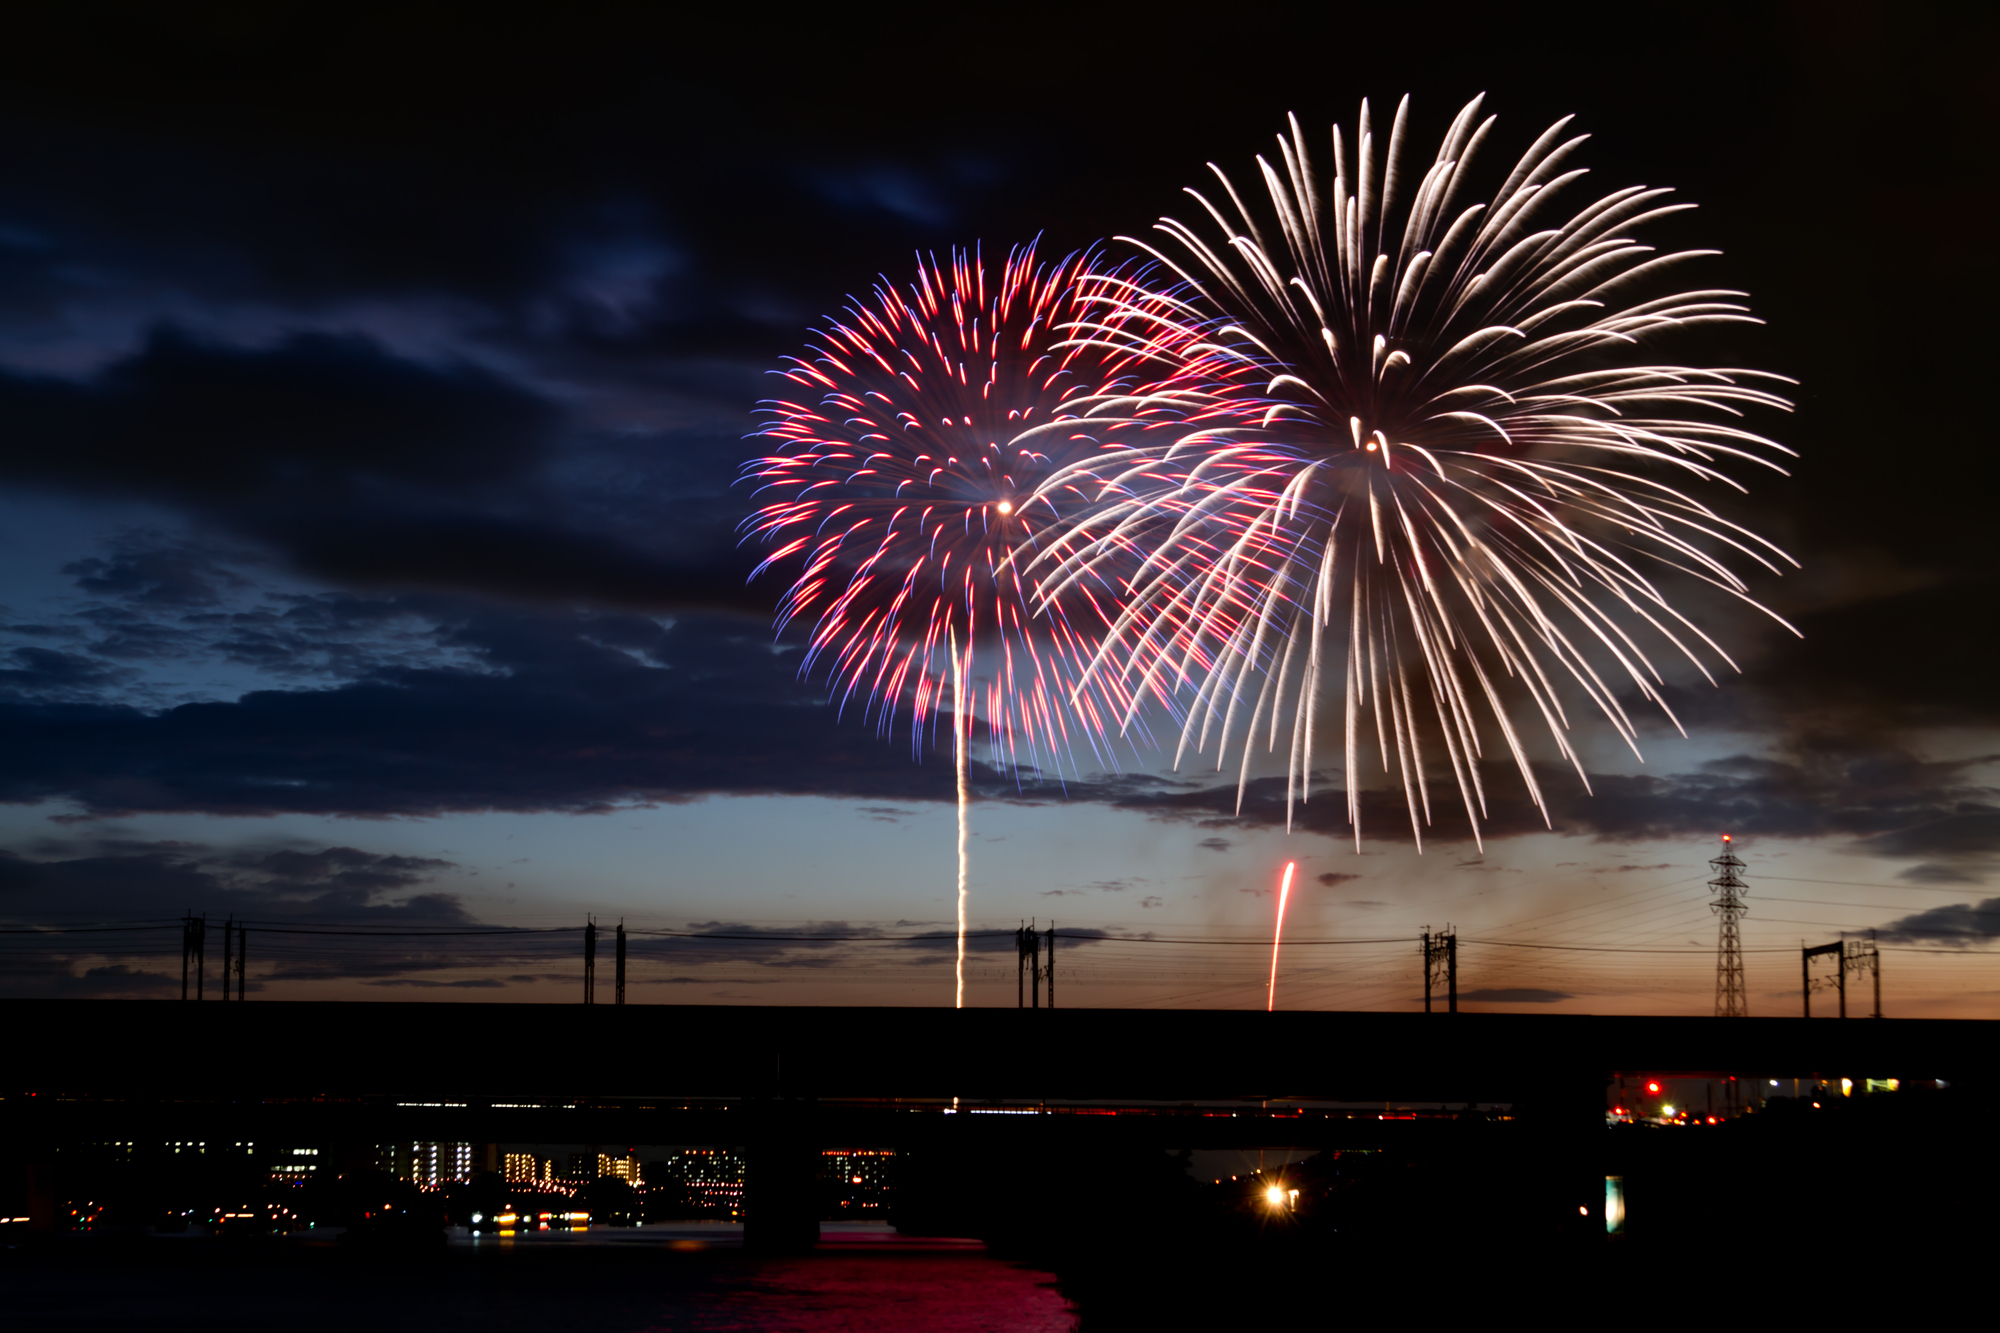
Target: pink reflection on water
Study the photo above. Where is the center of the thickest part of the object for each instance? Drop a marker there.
(876, 1281)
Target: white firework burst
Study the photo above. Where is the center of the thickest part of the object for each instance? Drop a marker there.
(1439, 463)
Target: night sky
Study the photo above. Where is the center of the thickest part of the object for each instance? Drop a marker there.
(372, 387)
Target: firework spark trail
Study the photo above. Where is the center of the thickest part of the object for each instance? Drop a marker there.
(1434, 464)
(911, 458)
(1278, 936)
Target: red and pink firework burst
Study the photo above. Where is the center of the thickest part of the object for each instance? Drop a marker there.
(910, 460)
(912, 464)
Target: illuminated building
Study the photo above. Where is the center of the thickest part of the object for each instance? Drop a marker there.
(428, 1165)
(856, 1181)
(705, 1181)
(624, 1168)
(294, 1166)
(522, 1168)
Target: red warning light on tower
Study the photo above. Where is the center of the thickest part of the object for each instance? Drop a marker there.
(1653, 1089)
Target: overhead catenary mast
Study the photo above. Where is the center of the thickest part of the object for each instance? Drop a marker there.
(1728, 905)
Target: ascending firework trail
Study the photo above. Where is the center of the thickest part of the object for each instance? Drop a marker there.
(1442, 467)
(908, 461)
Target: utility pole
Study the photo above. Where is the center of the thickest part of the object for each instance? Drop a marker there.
(590, 960)
(1052, 964)
(235, 945)
(1424, 952)
(1028, 970)
(1836, 951)
(193, 928)
(1860, 956)
(1874, 960)
(1730, 1001)
(1441, 965)
(619, 990)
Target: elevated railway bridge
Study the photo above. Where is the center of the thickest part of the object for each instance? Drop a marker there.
(783, 1084)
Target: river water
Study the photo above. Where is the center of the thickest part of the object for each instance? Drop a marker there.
(602, 1281)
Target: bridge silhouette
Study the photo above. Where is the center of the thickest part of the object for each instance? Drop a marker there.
(784, 1083)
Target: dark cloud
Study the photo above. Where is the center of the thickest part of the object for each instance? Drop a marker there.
(1216, 844)
(945, 943)
(149, 569)
(593, 710)
(285, 895)
(45, 673)
(349, 868)
(1878, 797)
(428, 983)
(1972, 829)
(315, 415)
(1932, 872)
(172, 607)
(1333, 877)
(365, 468)
(576, 713)
(111, 981)
(1960, 924)
(153, 880)
(814, 945)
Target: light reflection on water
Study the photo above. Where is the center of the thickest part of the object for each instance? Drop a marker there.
(862, 1276)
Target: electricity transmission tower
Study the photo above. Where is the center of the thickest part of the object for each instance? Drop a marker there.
(1728, 905)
